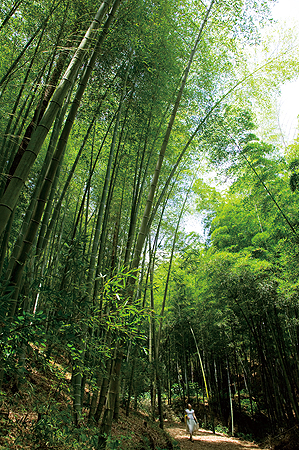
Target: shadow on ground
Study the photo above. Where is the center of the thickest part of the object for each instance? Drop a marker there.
(206, 440)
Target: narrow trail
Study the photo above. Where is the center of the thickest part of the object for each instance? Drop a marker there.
(206, 440)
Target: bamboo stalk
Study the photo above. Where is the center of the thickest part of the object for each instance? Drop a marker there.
(11, 195)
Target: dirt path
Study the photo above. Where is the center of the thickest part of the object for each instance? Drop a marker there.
(206, 440)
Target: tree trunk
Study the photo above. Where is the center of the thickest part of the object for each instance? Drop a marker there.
(11, 195)
(10, 13)
(230, 400)
(105, 428)
(143, 230)
(35, 221)
(51, 83)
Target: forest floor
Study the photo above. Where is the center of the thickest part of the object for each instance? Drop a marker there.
(206, 440)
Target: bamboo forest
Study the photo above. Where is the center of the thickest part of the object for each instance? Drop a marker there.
(122, 124)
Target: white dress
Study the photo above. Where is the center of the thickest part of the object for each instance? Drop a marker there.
(190, 420)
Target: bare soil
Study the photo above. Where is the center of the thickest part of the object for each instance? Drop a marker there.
(206, 440)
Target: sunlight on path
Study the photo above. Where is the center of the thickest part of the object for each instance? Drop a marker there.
(206, 440)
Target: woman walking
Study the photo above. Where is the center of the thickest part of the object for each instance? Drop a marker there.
(191, 421)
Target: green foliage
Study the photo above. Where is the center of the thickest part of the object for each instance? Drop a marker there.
(225, 131)
(118, 443)
(250, 407)
(247, 437)
(25, 332)
(238, 291)
(221, 429)
(56, 427)
(294, 182)
(294, 178)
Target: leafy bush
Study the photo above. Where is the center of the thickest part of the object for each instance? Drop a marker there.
(56, 428)
(221, 429)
